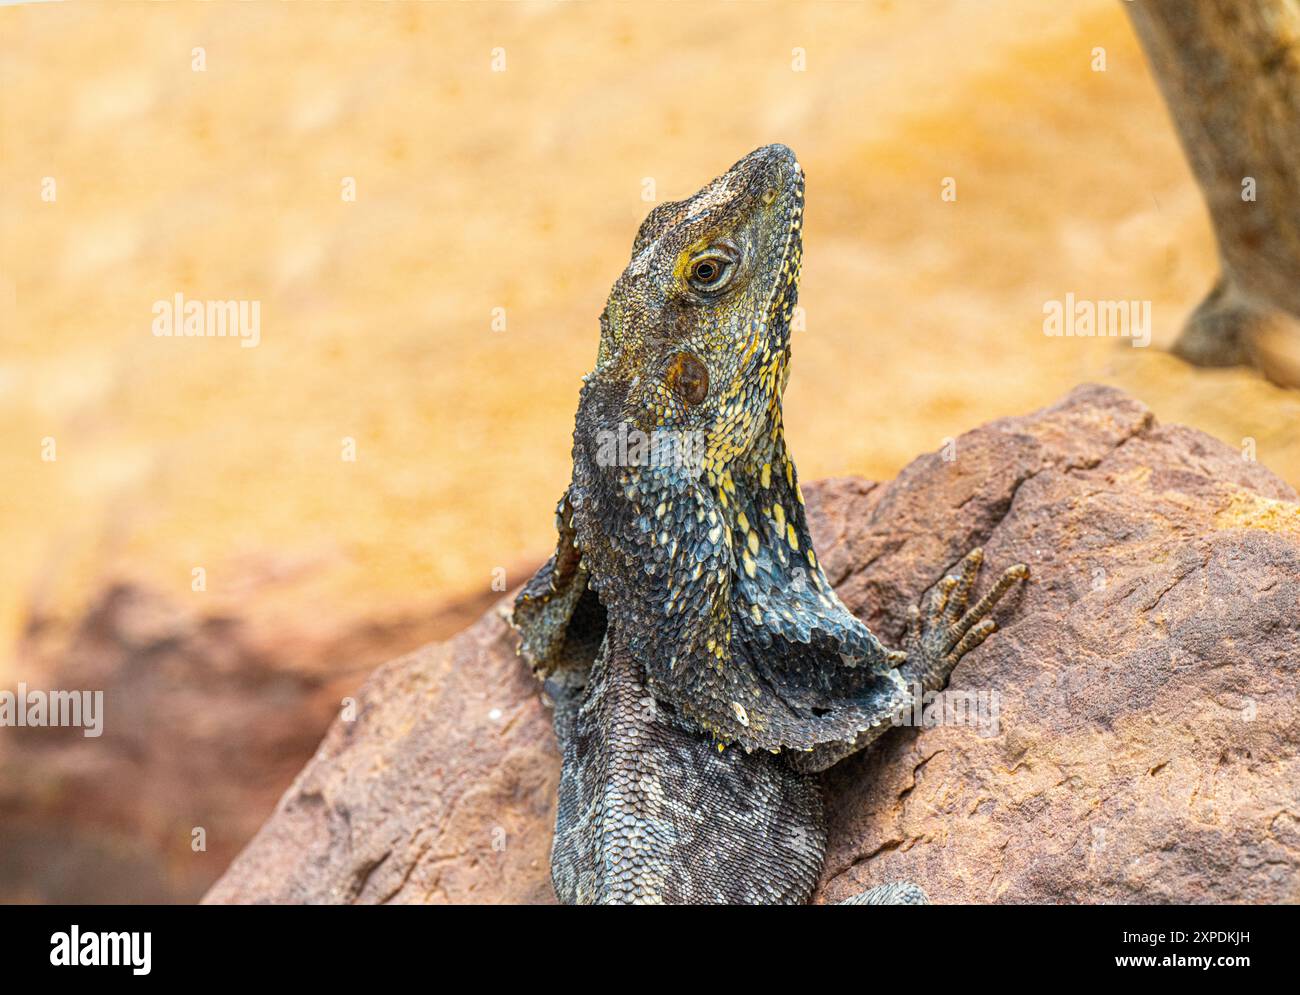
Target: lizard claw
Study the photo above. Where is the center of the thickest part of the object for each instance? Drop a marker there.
(939, 635)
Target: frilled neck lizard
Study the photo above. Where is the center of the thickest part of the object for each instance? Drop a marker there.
(701, 665)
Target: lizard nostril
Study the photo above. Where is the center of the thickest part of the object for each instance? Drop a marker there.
(688, 378)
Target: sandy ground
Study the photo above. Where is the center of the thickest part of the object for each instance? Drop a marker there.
(522, 190)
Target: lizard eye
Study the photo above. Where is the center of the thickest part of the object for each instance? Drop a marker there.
(712, 270)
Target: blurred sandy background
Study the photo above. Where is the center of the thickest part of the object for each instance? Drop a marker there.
(479, 190)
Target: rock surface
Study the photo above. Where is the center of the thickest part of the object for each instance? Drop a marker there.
(1147, 729)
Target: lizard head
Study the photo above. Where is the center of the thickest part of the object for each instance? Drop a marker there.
(695, 332)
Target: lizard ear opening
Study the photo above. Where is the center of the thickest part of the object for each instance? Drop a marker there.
(688, 378)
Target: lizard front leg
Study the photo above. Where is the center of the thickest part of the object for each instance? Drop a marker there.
(939, 633)
(938, 636)
(651, 812)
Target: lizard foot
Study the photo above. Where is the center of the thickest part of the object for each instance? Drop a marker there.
(894, 893)
(937, 637)
(945, 630)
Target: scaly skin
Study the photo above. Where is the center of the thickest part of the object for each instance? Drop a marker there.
(701, 664)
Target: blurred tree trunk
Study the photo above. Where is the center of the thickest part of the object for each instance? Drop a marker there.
(1230, 72)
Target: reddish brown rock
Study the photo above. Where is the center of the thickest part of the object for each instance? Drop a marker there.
(1149, 723)
(442, 789)
(1146, 747)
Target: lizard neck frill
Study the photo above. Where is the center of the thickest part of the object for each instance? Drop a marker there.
(716, 589)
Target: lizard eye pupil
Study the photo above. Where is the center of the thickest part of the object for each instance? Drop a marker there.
(706, 271)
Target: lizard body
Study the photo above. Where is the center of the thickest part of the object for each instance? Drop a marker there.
(701, 665)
